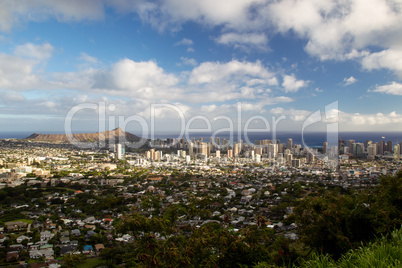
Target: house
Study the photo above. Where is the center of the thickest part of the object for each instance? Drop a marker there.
(87, 249)
(76, 232)
(99, 247)
(46, 236)
(89, 234)
(22, 238)
(65, 234)
(65, 240)
(67, 250)
(16, 247)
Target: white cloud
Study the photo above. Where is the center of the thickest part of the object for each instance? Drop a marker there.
(392, 89)
(184, 42)
(38, 52)
(209, 108)
(188, 61)
(294, 115)
(88, 59)
(389, 59)
(349, 81)
(244, 40)
(214, 72)
(291, 84)
(12, 12)
(138, 79)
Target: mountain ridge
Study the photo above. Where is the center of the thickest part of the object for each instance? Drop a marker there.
(116, 135)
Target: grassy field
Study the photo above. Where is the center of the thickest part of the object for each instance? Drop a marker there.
(23, 220)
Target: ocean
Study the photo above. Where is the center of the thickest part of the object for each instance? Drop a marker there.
(312, 139)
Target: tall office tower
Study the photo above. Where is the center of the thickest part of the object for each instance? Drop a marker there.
(381, 148)
(389, 147)
(236, 150)
(341, 146)
(201, 139)
(272, 150)
(211, 144)
(119, 151)
(367, 143)
(204, 148)
(218, 142)
(152, 154)
(157, 155)
(371, 151)
(289, 144)
(397, 152)
(310, 158)
(289, 158)
(209, 149)
(225, 144)
(325, 147)
(281, 148)
(349, 144)
(296, 163)
(358, 149)
(190, 148)
(230, 153)
(218, 153)
(252, 155)
(183, 142)
(286, 152)
(258, 150)
(193, 140)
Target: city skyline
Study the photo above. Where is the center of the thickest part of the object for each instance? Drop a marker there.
(276, 58)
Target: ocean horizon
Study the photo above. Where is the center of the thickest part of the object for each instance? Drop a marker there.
(312, 139)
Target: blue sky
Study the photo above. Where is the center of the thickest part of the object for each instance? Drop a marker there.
(207, 58)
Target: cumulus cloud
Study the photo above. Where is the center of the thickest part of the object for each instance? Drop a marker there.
(212, 72)
(12, 12)
(184, 42)
(334, 30)
(291, 84)
(188, 61)
(388, 59)
(88, 59)
(38, 52)
(243, 40)
(349, 81)
(392, 89)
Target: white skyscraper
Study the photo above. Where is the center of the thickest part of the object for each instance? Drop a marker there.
(119, 151)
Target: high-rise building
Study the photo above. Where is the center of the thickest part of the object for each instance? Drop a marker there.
(381, 148)
(119, 151)
(310, 158)
(289, 144)
(371, 151)
(389, 147)
(397, 152)
(218, 142)
(325, 148)
(296, 163)
(272, 150)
